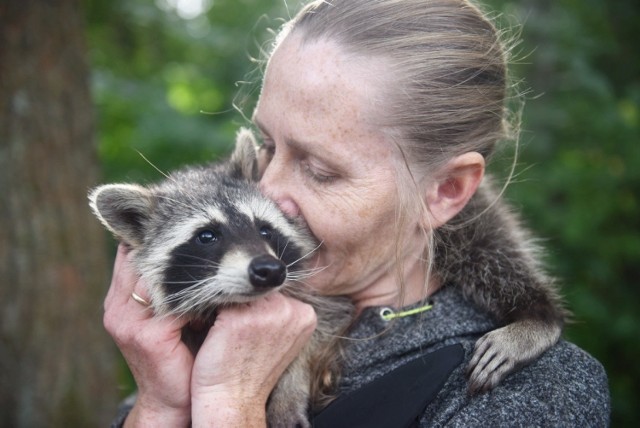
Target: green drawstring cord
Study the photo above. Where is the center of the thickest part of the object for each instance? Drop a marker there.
(388, 314)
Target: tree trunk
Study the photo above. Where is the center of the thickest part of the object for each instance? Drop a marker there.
(57, 365)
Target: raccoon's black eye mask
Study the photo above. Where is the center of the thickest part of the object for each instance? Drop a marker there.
(207, 237)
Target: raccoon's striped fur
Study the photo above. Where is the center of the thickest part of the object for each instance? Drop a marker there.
(206, 237)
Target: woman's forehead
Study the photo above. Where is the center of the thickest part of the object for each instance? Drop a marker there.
(316, 94)
(322, 74)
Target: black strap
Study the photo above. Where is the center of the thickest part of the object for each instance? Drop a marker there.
(396, 399)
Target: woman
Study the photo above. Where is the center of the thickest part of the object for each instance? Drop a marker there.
(376, 118)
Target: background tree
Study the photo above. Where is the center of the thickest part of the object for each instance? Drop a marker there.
(55, 359)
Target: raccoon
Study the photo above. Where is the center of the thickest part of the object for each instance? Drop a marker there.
(204, 238)
(495, 262)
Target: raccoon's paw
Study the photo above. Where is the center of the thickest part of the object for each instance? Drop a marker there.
(490, 363)
(500, 352)
(289, 413)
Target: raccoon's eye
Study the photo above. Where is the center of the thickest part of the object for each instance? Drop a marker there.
(266, 232)
(206, 237)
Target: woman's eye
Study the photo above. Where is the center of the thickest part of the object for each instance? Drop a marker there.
(317, 175)
(205, 237)
(266, 232)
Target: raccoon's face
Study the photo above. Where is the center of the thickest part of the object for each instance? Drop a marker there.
(201, 240)
(205, 237)
(232, 251)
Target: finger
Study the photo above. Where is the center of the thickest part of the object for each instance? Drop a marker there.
(120, 304)
(272, 309)
(140, 293)
(128, 286)
(118, 278)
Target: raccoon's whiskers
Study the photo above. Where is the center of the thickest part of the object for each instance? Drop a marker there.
(208, 262)
(191, 299)
(193, 265)
(170, 178)
(152, 164)
(187, 300)
(191, 282)
(283, 249)
(304, 256)
(305, 273)
(185, 291)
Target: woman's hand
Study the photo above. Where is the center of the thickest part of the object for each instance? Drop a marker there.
(243, 356)
(160, 363)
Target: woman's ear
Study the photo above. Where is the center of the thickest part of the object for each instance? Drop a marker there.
(453, 187)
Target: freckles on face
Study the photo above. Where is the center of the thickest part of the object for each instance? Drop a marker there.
(329, 160)
(356, 224)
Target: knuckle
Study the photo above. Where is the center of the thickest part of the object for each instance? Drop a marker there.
(307, 319)
(117, 328)
(109, 321)
(310, 316)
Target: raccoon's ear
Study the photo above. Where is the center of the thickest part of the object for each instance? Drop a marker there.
(244, 159)
(123, 209)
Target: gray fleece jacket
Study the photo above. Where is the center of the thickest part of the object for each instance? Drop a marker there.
(565, 387)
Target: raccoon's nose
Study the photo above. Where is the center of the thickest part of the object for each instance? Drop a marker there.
(267, 271)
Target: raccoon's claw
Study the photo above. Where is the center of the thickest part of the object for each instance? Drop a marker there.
(489, 364)
(500, 352)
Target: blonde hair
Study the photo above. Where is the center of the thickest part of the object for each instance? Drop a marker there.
(449, 69)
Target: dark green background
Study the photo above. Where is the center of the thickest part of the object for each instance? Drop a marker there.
(166, 86)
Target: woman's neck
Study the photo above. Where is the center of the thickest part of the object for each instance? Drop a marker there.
(386, 291)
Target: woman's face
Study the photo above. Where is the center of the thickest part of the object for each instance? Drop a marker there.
(331, 166)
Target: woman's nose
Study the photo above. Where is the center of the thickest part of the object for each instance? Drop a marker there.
(275, 184)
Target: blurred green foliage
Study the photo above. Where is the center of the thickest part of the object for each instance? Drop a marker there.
(167, 86)
(166, 79)
(581, 191)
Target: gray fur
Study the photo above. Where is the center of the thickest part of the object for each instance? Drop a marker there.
(488, 254)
